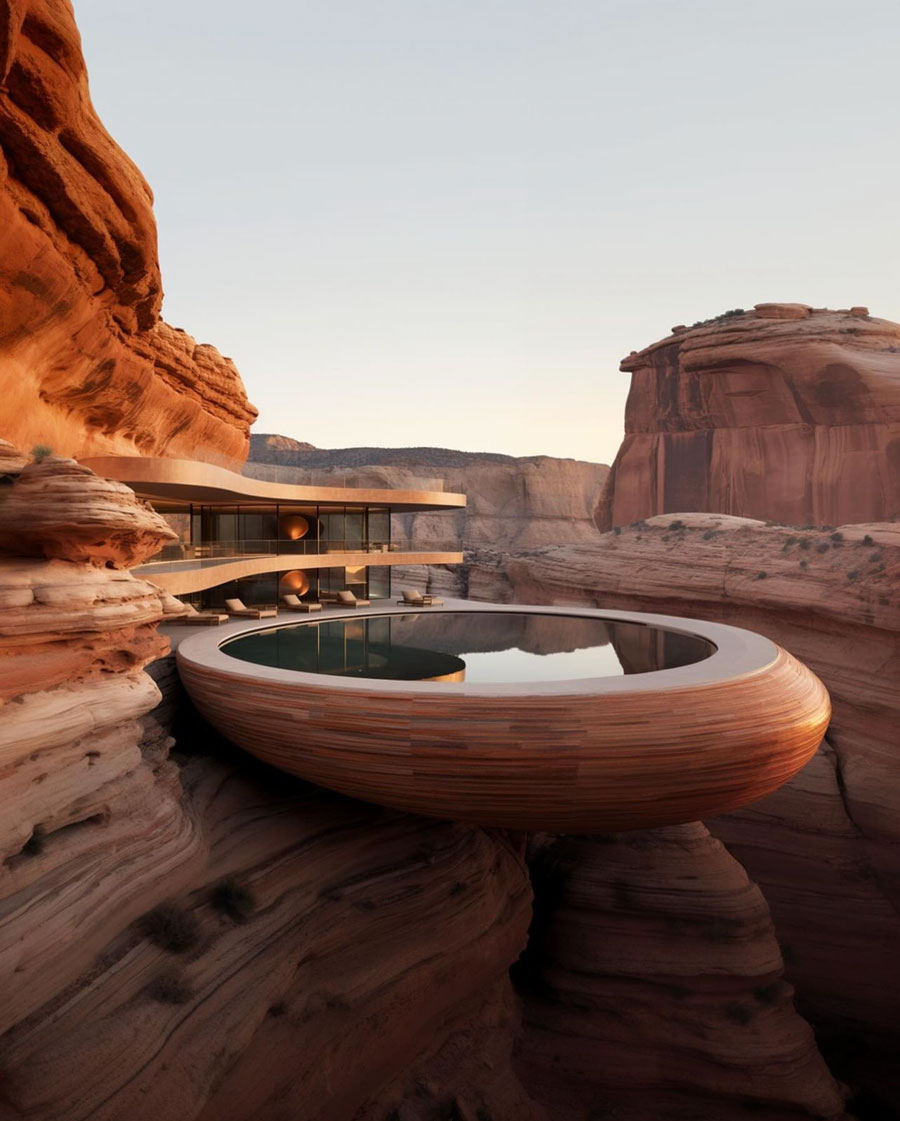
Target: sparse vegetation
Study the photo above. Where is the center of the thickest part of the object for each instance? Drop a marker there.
(678, 524)
(867, 540)
(234, 899)
(170, 927)
(823, 547)
(761, 575)
(804, 543)
(40, 452)
(170, 987)
(803, 564)
(837, 537)
(718, 318)
(852, 574)
(709, 534)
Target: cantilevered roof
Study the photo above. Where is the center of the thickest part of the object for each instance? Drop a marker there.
(189, 480)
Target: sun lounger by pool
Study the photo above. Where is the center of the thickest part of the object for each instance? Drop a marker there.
(194, 618)
(239, 608)
(417, 599)
(292, 602)
(348, 599)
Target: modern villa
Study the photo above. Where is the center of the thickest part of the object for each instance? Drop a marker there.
(257, 540)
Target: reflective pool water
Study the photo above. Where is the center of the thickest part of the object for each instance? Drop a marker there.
(481, 647)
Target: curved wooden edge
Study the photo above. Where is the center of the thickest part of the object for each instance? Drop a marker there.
(190, 480)
(592, 761)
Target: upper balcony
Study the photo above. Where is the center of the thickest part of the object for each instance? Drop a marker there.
(232, 527)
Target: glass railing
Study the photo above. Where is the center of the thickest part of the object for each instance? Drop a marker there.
(270, 547)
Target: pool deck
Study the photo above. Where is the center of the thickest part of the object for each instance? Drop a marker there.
(177, 632)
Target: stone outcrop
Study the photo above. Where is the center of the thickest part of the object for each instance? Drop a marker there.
(826, 847)
(201, 939)
(87, 366)
(654, 986)
(59, 508)
(785, 412)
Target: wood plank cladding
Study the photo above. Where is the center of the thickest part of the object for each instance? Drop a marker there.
(581, 758)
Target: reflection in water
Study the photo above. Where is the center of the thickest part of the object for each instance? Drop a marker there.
(482, 647)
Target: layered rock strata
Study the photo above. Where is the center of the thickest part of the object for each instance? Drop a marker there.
(655, 988)
(825, 847)
(203, 940)
(784, 412)
(87, 366)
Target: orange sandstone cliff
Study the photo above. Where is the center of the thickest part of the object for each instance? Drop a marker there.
(87, 366)
(783, 413)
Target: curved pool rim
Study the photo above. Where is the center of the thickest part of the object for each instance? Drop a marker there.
(737, 652)
(588, 755)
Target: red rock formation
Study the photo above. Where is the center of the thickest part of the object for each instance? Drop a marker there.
(59, 508)
(314, 991)
(825, 847)
(86, 364)
(784, 413)
(654, 983)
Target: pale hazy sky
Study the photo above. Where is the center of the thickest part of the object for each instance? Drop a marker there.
(446, 221)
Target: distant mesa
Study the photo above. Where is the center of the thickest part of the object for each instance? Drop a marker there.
(786, 412)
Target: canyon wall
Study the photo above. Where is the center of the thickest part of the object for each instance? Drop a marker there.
(186, 936)
(519, 502)
(784, 413)
(87, 366)
(825, 849)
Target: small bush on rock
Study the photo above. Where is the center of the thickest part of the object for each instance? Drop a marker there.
(234, 899)
(171, 928)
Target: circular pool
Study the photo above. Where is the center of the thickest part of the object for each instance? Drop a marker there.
(485, 647)
(532, 718)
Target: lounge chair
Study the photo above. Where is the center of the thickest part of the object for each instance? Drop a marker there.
(413, 598)
(292, 602)
(348, 599)
(175, 611)
(239, 608)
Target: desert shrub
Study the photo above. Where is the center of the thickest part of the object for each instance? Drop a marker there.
(837, 537)
(170, 927)
(709, 534)
(804, 543)
(234, 898)
(867, 540)
(761, 575)
(170, 987)
(792, 540)
(40, 452)
(617, 529)
(730, 314)
(823, 547)
(803, 564)
(852, 574)
(678, 524)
